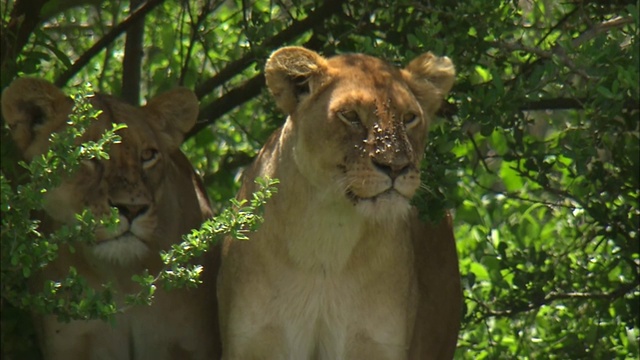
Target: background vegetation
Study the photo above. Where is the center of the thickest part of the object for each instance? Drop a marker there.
(536, 153)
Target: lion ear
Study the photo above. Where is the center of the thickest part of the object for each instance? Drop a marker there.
(33, 109)
(176, 112)
(430, 78)
(292, 73)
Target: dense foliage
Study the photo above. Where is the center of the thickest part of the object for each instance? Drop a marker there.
(536, 153)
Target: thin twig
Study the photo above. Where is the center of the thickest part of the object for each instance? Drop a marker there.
(208, 8)
(478, 152)
(555, 27)
(227, 102)
(296, 29)
(621, 291)
(600, 28)
(105, 41)
(556, 52)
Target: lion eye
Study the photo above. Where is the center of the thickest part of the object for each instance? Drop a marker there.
(149, 157)
(410, 119)
(350, 118)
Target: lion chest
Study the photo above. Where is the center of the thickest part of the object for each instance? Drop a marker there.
(343, 281)
(322, 243)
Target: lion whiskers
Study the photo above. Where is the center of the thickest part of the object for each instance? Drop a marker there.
(346, 182)
(426, 188)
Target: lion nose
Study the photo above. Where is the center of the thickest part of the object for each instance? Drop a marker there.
(130, 212)
(392, 170)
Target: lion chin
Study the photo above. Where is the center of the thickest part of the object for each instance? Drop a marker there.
(388, 205)
(122, 250)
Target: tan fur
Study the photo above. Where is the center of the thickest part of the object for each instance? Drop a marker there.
(159, 198)
(342, 268)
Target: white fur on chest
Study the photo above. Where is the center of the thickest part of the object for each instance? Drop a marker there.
(311, 309)
(312, 295)
(315, 299)
(323, 244)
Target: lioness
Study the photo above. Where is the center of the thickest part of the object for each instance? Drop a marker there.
(342, 268)
(159, 198)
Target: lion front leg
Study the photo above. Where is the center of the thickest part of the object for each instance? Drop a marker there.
(82, 340)
(363, 347)
(379, 337)
(252, 327)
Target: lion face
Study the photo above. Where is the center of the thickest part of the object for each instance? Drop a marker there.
(141, 173)
(360, 124)
(130, 181)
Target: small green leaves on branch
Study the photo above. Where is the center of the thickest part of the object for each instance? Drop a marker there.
(237, 221)
(26, 248)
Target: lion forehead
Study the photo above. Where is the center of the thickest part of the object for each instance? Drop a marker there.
(366, 81)
(137, 133)
(375, 68)
(366, 71)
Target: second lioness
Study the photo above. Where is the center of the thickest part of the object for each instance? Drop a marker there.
(159, 198)
(342, 268)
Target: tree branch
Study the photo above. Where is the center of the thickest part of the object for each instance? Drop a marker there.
(252, 87)
(449, 110)
(227, 102)
(227, 165)
(554, 104)
(557, 52)
(132, 62)
(105, 41)
(481, 157)
(623, 290)
(237, 96)
(600, 28)
(25, 16)
(296, 29)
(207, 8)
